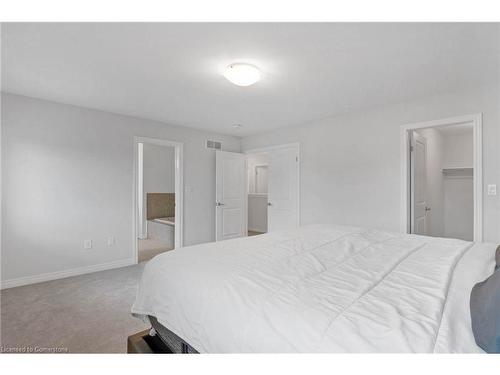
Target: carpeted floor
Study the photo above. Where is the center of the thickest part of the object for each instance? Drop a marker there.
(149, 248)
(82, 314)
(252, 233)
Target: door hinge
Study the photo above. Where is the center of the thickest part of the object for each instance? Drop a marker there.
(296, 158)
(411, 148)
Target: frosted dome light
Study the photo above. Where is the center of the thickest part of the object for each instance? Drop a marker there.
(242, 74)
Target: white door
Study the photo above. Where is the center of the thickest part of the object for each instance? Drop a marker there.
(283, 188)
(418, 160)
(230, 195)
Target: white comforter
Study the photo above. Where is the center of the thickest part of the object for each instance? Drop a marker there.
(322, 288)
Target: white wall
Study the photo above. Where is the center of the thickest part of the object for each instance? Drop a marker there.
(159, 169)
(458, 150)
(434, 191)
(350, 164)
(67, 175)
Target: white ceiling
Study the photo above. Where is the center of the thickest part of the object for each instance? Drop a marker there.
(173, 72)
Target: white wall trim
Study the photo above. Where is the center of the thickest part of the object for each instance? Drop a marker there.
(270, 148)
(12, 283)
(141, 220)
(179, 188)
(477, 124)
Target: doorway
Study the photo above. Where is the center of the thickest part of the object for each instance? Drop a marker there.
(273, 188)
(257, 192)
(158, 197)
(442, 183)
(257, 169)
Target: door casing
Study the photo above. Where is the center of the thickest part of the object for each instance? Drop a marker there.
(179, 188)
(476, 120)
(417, 138)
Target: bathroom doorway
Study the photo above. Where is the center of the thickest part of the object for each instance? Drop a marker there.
(158, 197)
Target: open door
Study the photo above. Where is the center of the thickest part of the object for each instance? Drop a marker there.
(230, 195)
(418, 160)
(283, 188)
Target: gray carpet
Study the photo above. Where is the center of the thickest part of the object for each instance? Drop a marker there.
(149, 248)
(82, 314)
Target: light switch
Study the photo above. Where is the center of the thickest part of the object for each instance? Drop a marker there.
(492, 190)
(87, 244)
(111, 240)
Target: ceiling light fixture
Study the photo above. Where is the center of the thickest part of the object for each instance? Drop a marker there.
(242, 74)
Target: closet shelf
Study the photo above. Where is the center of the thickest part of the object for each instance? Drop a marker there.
(458, 171)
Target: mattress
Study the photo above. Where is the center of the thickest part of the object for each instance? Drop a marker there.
(321, 288)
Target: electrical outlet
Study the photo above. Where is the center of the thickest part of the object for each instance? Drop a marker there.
(111, 240)
(87, 244)
(492, 190)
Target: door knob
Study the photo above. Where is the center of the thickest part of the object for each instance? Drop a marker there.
(219, 204)
(427, 208)
(269, 203)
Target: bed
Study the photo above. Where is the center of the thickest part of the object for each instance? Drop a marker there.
(321, 288)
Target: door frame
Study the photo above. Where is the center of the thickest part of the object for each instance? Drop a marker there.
(277, 147)
(477, 125)
(412, 135)
(138, 188)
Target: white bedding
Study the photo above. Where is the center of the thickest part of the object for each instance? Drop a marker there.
(321, 288)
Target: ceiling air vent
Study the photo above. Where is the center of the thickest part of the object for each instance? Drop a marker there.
(214, 145)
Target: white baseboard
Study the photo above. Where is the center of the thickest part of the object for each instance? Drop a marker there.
(66, 273)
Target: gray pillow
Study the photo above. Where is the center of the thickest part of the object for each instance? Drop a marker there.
(485, 310)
